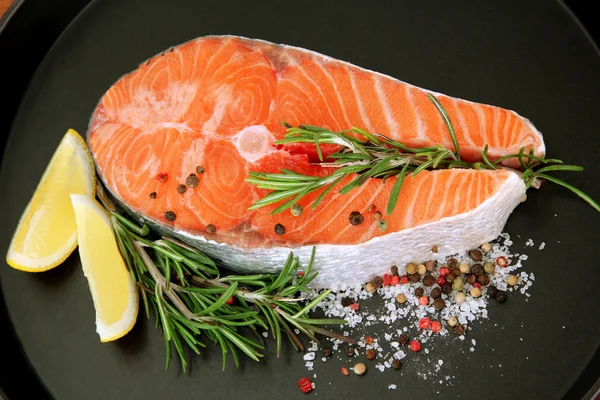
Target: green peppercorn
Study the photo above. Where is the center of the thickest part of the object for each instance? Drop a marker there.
(382, 225)
(296, 210)
(489, 267)
(458, 285)
(355, 218)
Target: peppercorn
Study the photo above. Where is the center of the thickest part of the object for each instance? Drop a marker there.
(403, 339)
(441, 280)
(210, 228)
(327, 352)
(436, 293)
(415, 346)
(471, 278)
(419, 292)
(439, 304)
(411, 269)
(459, 329)
(401, 298)
(477, 285)
(476, 255)
(483, 280)
(444, 271)
(460, 297)
(434, 248)
(377, 282)
(346, 301)
(360, 368)
(456, 272)
(372, 208)
(458, 285)
(475, 292)
(305, 385)
(512, 280)
(424, 323)
(477, 269)
(452, 321)
(394, 280)
(369, 339)
(371, 354)
(350, 351)
(492, 291)
(192, 180)
(447, 289)
(162, 177)
(428, 280)
(424, 300)
(382, 225)
(489, 267)
(170, 216)
(452, 263)
(464, 268)
(450, 278)
(355, 218)
(500, 296)
(153, 195)
(386, 279)
(345, 371)
(414, 278)
(279, 229)
(404, 279)
(436, 326)
(396, 364)
(421, 270)
(377, 215)
(431, 265)
(296, 210)
(502, 262)
(200, 170)
(394, 270)
(369, 287)
(486, 247)
(181, 188)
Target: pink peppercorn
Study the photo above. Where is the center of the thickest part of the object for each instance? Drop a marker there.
(477, 285)
(436, 326)
(386, 279)
(444, 271)
(354, 306)
(423, 300)
(424, 323)
(502, 262)
(441, 280)
(415, 346)
(394, 280)
(305, 385)
(404, 280)
(301, 274)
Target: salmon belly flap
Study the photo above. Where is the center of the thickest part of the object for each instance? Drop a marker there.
(175, 140)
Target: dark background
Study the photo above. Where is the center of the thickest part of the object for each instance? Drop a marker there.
(27, 31)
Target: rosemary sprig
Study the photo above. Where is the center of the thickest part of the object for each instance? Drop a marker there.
(364, 156)
(189, 296)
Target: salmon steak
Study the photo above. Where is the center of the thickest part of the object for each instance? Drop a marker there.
(175, 140)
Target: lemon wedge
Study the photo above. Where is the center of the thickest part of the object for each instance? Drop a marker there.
(113, 291)
(46, 234)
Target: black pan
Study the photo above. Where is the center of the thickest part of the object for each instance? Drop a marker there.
(530, 56)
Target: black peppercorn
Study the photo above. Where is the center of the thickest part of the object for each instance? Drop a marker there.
(170, 216)
(153, 195)
(428, 280)
(192, 180)
(476, 255)
(210, 228)
(456, 272)
(450, 278)
(327, 352)
(419, 292)
(346, 301)
(483, 280)
(459, 329)
(431, 265)
(446, 288)
(492, 291)
(439, 304)
(471, 278)
(371, 354)
(377, 282)
(181, 188)
(477, 269)
(394, 270)
(500, 296)
(436, 293)
(279, 229)
(350, 351)
(452, 263)
(200, 170)
(414, 278)
(403, 339)
(396, 364)
(356, 218)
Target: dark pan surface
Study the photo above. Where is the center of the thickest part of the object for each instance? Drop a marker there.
(528, 56)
